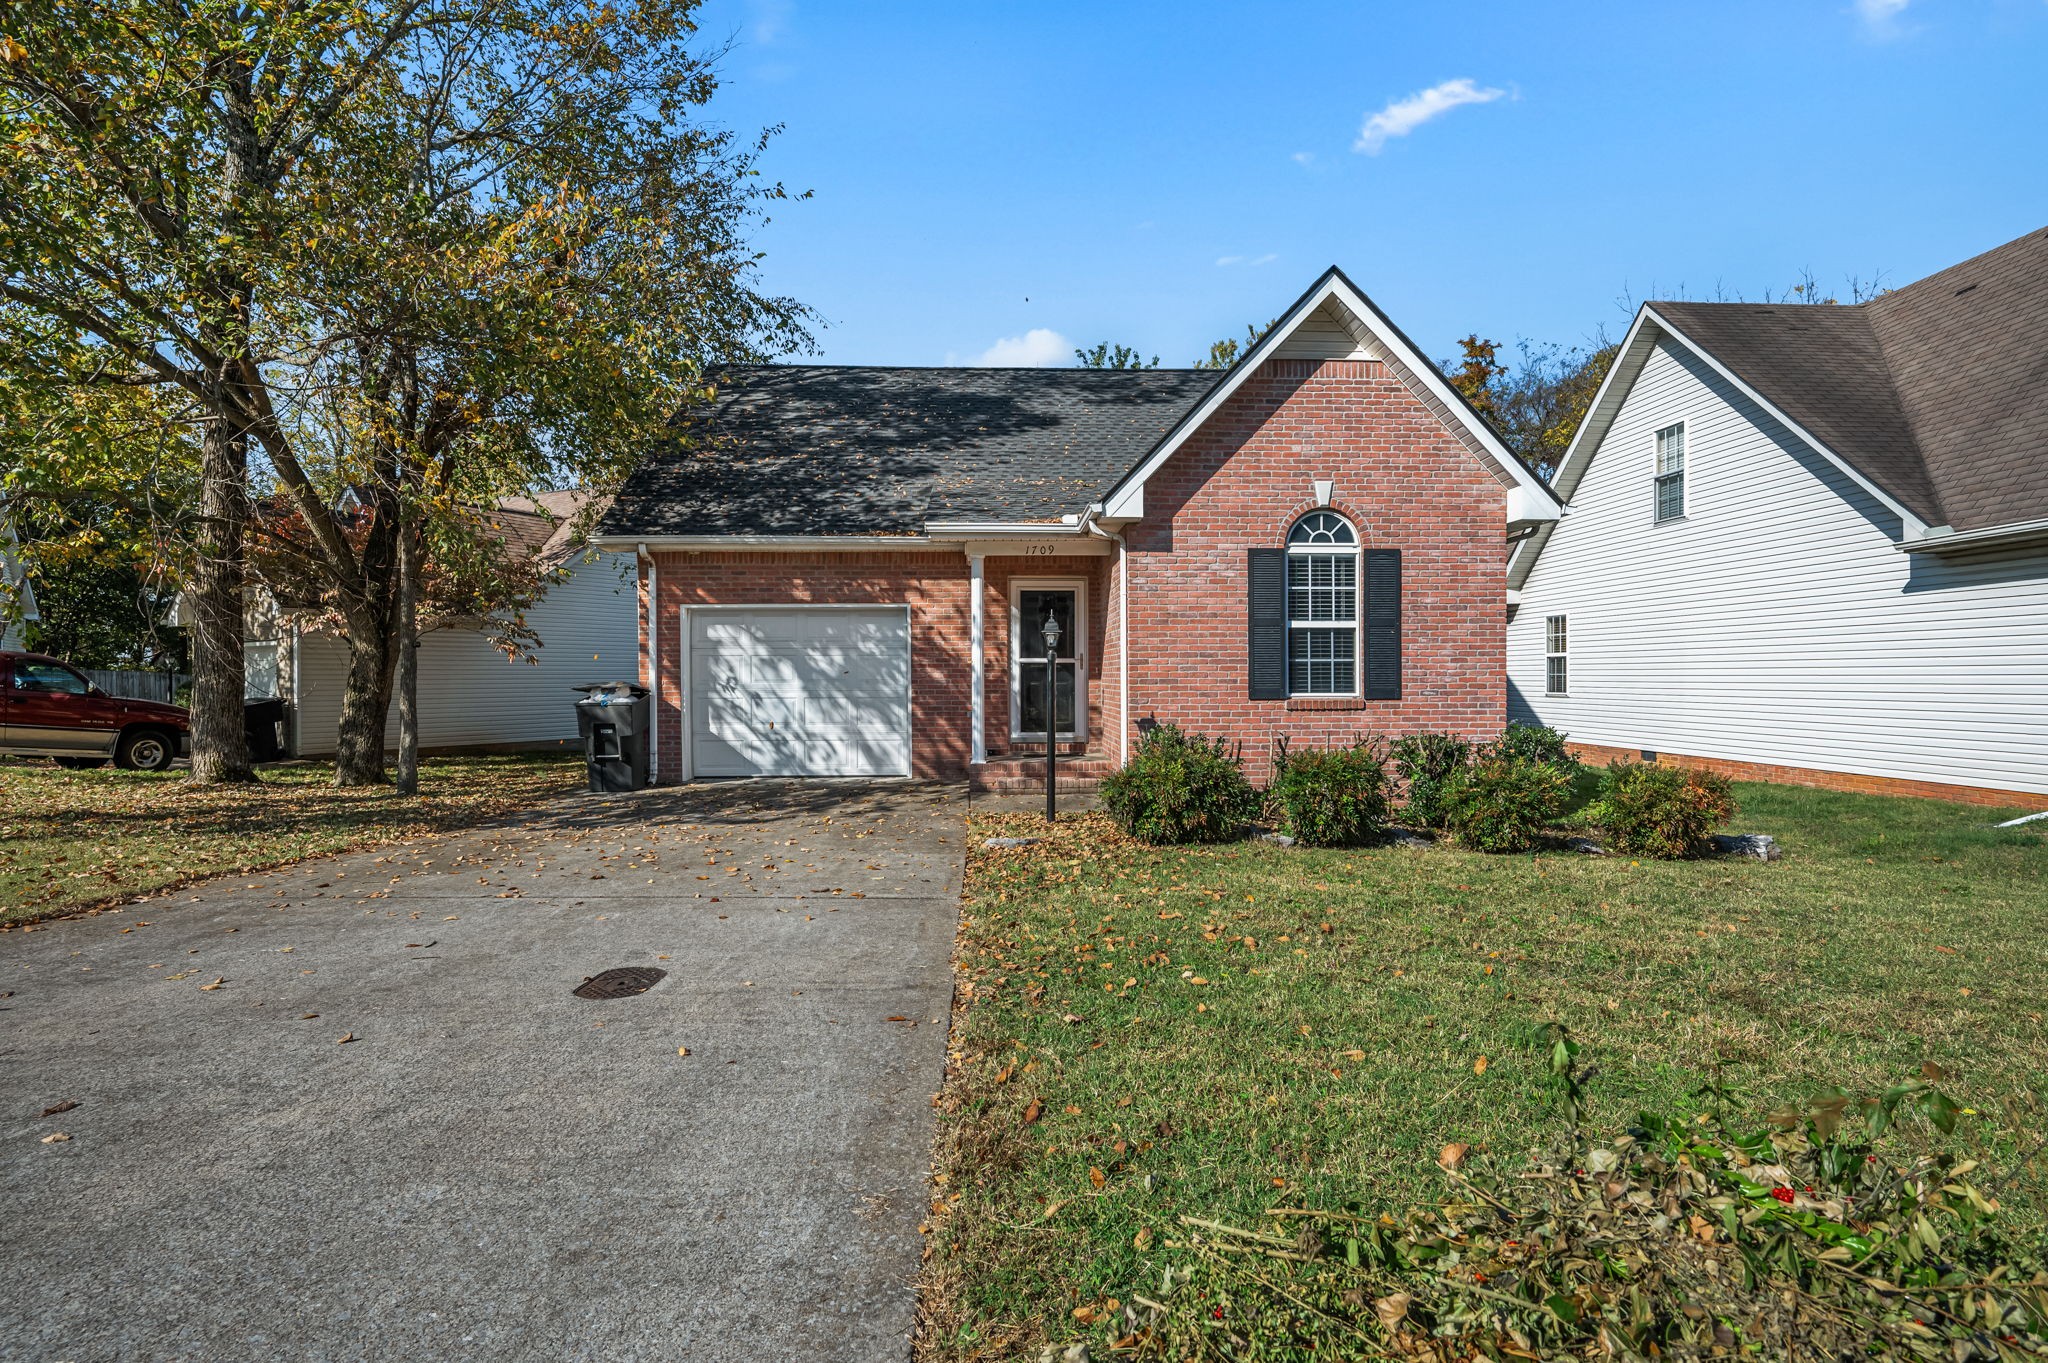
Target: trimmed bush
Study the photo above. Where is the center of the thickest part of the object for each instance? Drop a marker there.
(1537, 743)
(1504, 804)
(1335, 796)
(1512, 790)
(1426, 763)
(1667, 812)
(1180, 788)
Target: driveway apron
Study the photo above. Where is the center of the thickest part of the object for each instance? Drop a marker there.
(353, 1110)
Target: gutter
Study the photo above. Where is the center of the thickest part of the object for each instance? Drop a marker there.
(642, 543)
(1940, 538)
(1071, 525)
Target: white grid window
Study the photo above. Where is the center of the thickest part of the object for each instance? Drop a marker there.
(1322, 606)
(1671, 472)
(1555, 672)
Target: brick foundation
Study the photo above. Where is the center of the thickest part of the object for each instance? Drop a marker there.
(1854, 782)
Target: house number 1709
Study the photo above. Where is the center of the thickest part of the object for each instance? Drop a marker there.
(1039, 550)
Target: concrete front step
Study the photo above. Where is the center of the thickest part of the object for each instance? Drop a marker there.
(1016, 774)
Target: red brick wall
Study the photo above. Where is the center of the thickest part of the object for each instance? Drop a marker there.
(1240, 482)
(933, 584)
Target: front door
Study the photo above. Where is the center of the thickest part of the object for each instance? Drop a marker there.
(1031, 604)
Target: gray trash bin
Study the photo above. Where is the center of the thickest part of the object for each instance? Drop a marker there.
(612, 720)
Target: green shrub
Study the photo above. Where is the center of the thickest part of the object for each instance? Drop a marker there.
(1652, 811)
(1499, 804)
(1335, 796)
(1512, 790)
(1426, 763)
(1180, 788)
(1537, 743)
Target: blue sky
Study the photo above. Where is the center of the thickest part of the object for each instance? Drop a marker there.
(996, 181)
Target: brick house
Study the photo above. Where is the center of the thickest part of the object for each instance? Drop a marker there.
(847, 570)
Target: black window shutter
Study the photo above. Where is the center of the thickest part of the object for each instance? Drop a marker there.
(1266, 597)
(1383, 624)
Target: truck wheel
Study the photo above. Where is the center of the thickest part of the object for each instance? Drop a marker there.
(145, 750)
(79, 763)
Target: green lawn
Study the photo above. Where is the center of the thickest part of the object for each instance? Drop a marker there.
(1149, 1033)
(72, 840)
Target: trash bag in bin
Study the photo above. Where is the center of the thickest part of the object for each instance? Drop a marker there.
(612, 721)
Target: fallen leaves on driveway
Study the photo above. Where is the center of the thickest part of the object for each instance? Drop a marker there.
(56, 1108)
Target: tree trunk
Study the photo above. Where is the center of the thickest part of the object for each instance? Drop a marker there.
(220, 747)
(365, 709)
(372, 652)
(408, 653)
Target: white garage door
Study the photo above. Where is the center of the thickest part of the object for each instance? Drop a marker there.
(800, 691)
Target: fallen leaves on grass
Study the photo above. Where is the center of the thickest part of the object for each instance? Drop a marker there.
(77, 840)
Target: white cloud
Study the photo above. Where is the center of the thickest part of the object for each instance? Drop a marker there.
(1038, 348)
(771, 20)
(1302, 158)
(1404, 116)
(1266, 259)
(1881, 17)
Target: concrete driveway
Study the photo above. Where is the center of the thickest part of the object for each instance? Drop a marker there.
(493, 1168)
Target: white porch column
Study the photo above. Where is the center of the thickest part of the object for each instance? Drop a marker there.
(977, 752)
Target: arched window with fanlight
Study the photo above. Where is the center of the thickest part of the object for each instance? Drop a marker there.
(1322, 606)
(1324, 615)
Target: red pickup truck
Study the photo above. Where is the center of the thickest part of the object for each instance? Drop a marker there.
(49, 709)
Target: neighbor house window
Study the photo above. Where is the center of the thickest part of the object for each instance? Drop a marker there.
(1322, 606)
(1671, 472)
(1555, 675)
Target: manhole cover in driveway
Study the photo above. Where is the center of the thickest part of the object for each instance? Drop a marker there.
(621, 982)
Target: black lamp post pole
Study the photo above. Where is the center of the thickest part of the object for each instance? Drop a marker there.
(1052, 706)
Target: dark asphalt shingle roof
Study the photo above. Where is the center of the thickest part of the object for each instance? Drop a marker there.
(1936, 392)
(854, 450)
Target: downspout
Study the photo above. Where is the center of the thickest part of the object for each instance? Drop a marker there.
(1123, 634)
(653, 618)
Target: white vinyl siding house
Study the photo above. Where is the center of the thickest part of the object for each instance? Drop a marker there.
(471, 694)
(1777, 622)
(17, 597)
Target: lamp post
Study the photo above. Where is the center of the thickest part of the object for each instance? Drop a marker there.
(1052, 705)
